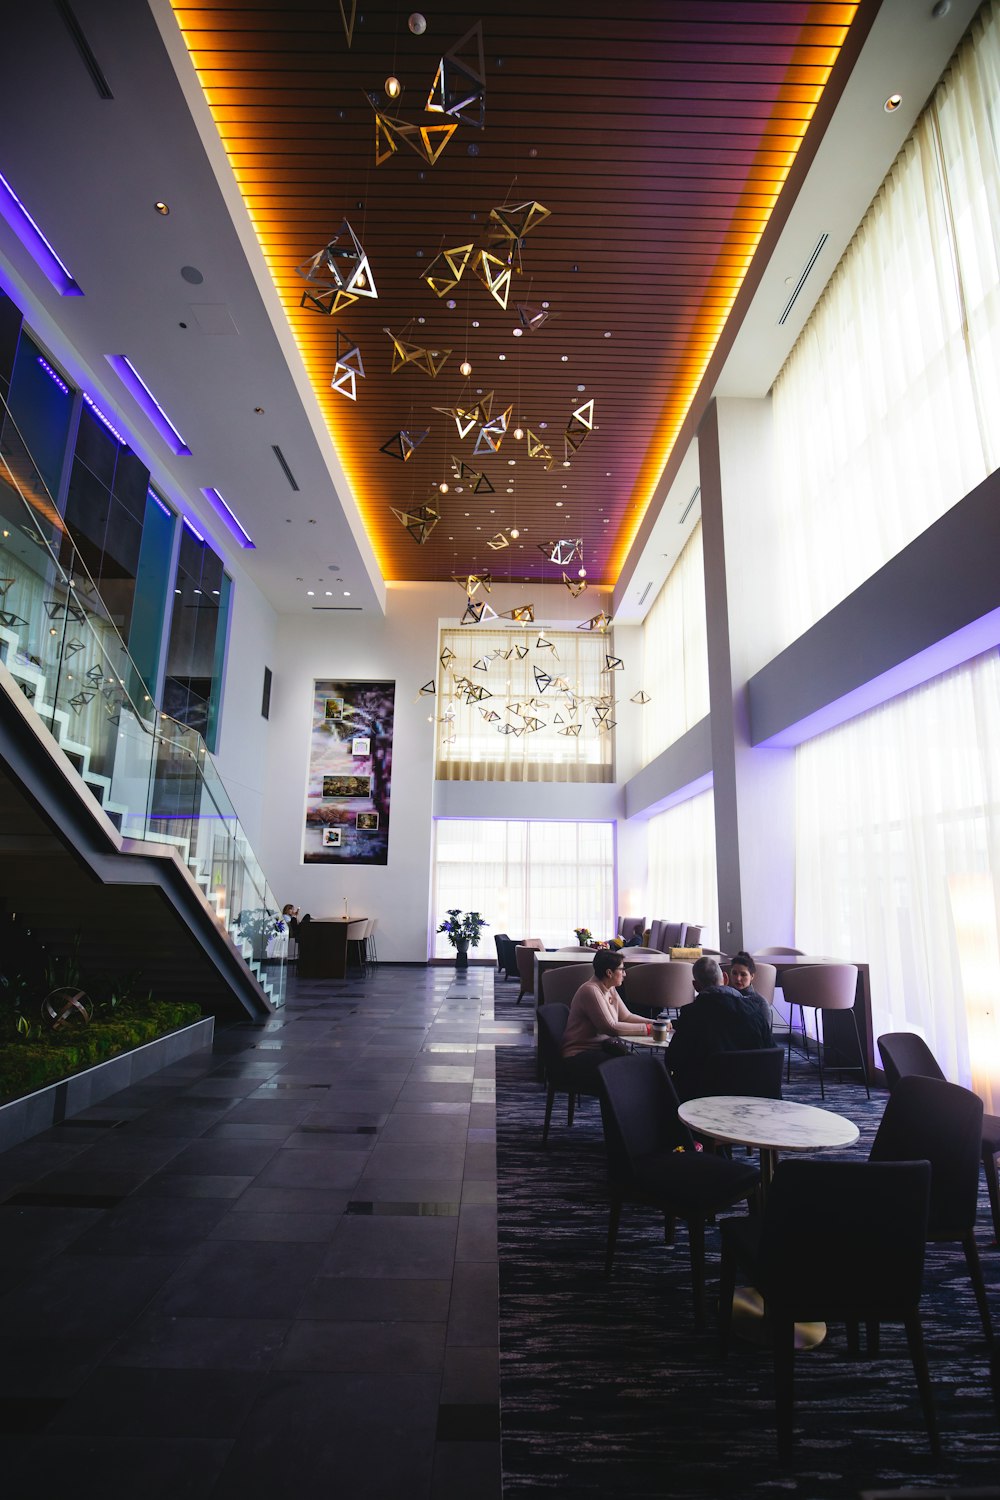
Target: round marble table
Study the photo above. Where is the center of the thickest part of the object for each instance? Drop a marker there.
(772, 1125)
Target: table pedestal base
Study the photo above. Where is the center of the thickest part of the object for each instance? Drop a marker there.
(750, 1324)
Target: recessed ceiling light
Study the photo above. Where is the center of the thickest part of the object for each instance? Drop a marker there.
(892, 103)
(501, 356)
(564, 358)
(581, 387)
(310, 593)
(161, 207)
(347, 593)
(329, 593)
(607, 335)
(517, 332)
(558, 505)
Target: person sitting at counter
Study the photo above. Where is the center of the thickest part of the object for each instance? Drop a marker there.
(719, 1019)
(598, 1016)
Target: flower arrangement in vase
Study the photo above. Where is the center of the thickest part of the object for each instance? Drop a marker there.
(584, 936)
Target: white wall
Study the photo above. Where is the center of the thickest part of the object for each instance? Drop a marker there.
(241, 755)
(402, 647)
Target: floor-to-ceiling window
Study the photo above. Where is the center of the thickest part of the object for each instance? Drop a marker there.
(528, 879)
(681, 883)
(675, 653)
(898, 862)
(192, 688)
(887, 411)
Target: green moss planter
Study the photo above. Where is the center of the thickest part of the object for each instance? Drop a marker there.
(46, 1079)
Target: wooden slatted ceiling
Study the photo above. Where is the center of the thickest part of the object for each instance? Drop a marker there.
(658, 133)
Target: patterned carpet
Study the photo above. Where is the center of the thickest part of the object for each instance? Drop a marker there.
(606, 1387)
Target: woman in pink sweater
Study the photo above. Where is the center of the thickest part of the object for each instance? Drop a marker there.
(598, 1016)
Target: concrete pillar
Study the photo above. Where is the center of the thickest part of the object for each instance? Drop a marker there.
(754, 789)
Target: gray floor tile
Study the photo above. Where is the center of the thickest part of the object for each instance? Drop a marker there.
(154, 1403)
(421, 1248)
(377, 1300)
(163, 1341)
(368, 1348)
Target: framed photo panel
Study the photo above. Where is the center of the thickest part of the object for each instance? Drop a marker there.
(350, 773)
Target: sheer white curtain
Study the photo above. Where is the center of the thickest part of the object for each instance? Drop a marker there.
(681, 884)
(887, 411)
(898, 862)
(527, 879)
(675, 653)
(498, 738)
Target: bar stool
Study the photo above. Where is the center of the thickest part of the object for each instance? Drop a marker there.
(819, 987)
(356, 934)
(371, 952)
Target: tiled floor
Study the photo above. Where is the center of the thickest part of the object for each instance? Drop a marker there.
(271, 1269)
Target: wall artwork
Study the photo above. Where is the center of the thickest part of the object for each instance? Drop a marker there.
(350, 773)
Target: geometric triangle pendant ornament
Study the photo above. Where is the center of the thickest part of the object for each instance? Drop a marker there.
(402, 444)
(459, 86)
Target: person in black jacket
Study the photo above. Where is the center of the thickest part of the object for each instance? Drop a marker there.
(719, 1019)
(742, 970)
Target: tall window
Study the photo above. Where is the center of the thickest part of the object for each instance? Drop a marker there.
(546, 712)
(675, 649)
(681, 884)
(898, 862)
(192, 688)
(888, 409)
(527, 879)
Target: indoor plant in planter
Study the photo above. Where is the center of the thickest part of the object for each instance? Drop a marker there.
(464, 931)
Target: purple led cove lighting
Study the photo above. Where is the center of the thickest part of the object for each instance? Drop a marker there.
(951, 651)
(102, 418)
(34, 241)
(137, 387)
(52, 374)
(243, 537)
(679, 794)
(193, 530)
(152, 495)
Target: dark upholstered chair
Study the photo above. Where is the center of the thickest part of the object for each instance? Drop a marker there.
(692, 936)
(904, 1053)
(838, 1241)
(753, 1074)
(927, 1119)
(506, 955)
(642, 1132)
(552, 1021)
(666, 935)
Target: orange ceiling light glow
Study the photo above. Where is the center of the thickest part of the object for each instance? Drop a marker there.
(659, 164)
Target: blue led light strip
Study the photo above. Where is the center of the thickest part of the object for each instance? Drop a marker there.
(137, 387)
(52, 374)
(34, 241)
(102, 418)
(241, 535)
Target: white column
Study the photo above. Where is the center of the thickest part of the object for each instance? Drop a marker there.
(754, 789)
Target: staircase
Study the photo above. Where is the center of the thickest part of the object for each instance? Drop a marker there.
(117, 832)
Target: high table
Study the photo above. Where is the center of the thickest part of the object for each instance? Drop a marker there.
(840, 1042)
(772, 1125)
(560, 957)
(323, 947)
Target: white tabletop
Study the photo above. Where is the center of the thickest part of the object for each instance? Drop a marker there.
(774, 1124)
(648, 1041)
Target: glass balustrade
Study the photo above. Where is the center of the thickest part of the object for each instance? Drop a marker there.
(153, 776)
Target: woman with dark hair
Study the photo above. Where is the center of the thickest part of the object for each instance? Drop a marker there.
(598, 1016)
(741, 973)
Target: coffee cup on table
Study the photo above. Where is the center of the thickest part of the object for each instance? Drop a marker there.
(660, 1031)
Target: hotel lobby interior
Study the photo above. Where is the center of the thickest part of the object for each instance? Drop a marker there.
(695, 305)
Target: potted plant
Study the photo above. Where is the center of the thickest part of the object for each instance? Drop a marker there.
(464, 931)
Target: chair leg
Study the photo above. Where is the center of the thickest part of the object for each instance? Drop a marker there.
(727, 1288)
(819, 1052)
(873, 1330)
(783, 1336)
(976, 1273)
(570, 1107)
(993, 1186)
(915, 1339)
(550, 1099)
(861, 1055)
(696, 1246)
(613, 1222)
(788, 1065)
